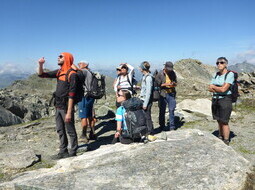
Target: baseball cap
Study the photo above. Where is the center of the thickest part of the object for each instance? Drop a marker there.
(119, 67)
(169, 65)
(85, 62)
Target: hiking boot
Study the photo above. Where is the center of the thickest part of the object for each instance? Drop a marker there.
(226, 141)
(144, 139)
(162, 127)
(84, 138)
(151, 138)
(220, 137)
(168, 128)
(72, 154)
(92, 136)
(60, 156)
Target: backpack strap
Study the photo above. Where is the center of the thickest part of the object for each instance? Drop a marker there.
(226, 75)
(67, 74)
(131, 85)
(128, 80)
(217, 74)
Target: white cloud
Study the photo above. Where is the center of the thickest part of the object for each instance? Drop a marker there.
(248, 55)
(10, 68)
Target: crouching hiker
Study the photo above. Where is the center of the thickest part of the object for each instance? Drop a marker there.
(64, 103)
(131, 120)
(221, 100)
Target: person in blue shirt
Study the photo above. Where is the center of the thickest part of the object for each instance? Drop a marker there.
(221, 100)
(122, 96)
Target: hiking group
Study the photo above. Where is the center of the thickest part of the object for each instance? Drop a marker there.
(79, 85)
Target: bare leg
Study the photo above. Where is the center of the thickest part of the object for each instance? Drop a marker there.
(220, 130)
(225, 131)
(84, 126)
(92, 122)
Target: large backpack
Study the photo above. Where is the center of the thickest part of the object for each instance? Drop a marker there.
(97, 88)
(135, 119)
(234, 87)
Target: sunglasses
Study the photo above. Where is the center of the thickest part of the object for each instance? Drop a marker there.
(119, 95)
(220, 62)
(60, 56)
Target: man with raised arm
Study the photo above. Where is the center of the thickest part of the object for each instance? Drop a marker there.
(64, 103)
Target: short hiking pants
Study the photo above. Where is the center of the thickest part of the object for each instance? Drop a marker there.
(221, 109)
(86, 107)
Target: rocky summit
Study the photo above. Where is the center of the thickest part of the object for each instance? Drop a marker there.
(187, 159)
(192, 157)
(28, 100)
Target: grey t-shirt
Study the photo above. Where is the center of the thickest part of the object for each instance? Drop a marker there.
(88, 79)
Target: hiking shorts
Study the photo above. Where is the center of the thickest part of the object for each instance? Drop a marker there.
(221, 109)
(86, 107)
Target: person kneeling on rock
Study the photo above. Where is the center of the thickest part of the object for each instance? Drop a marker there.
(131, 119)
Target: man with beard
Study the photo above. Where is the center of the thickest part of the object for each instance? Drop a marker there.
(64, 102)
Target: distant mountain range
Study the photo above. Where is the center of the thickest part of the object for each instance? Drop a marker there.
(7, 79)
(242, 67)
(112, 73)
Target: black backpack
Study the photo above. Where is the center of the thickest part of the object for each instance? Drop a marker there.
(79, 87)
(135, 119)
(97, 88)
(156, 87)
(234, 87)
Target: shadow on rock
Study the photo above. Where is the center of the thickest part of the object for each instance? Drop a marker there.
(104, 128)
(179, 122)
(232, 134)
(110, 114)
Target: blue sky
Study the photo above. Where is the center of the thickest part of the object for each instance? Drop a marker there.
(108, 32)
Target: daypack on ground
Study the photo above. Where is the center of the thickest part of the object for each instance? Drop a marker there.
(135, 119)
(97, 88)
(234, 87)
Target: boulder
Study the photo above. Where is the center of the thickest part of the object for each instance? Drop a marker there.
(19, 160)
(201, 106)
(188, 159)
(8, 118)
(105, 112)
